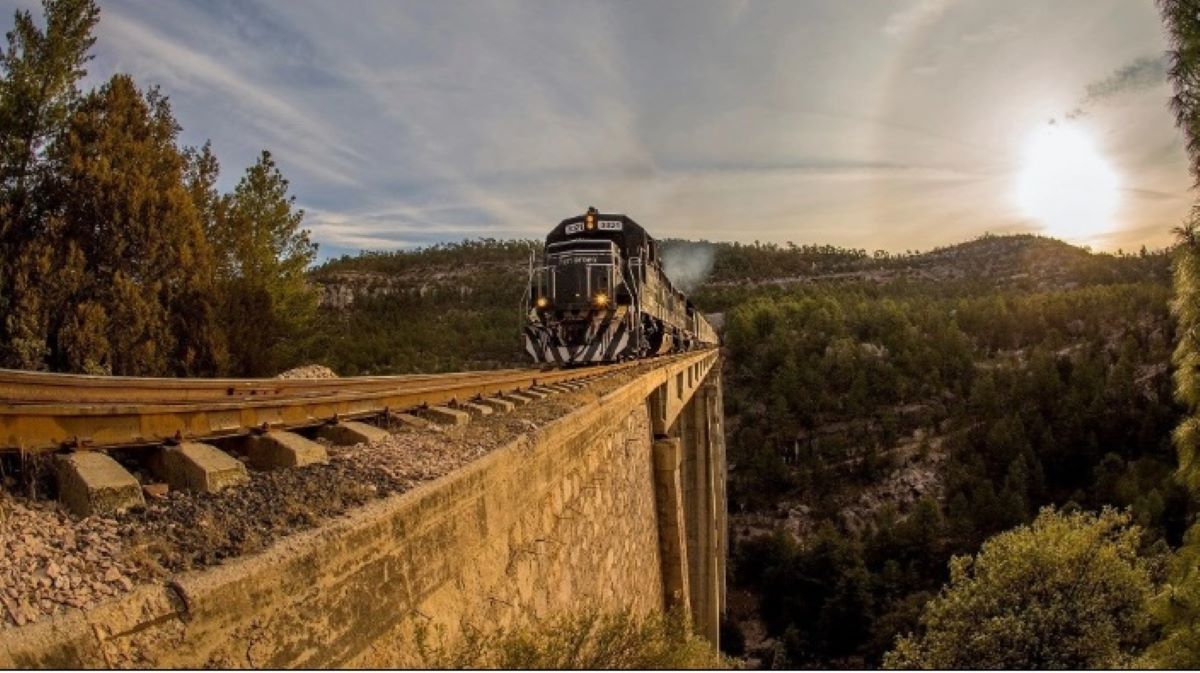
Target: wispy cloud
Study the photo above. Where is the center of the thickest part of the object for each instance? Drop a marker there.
(299, 136)
(410, 123)
(915, 16)
(1140, 74)
(989, 34)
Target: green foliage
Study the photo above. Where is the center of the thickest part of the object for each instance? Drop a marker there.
(447, 307)
(587, 640)
(1183, 29)
(485, 252)
(1178, 608)
(1183, 32)
(1031, 397)
(851, 370)
(1069, 591)
(120, 255)
(263, 256)
(146, 276)
(1024, 262)
(40, 70)
(1175, 609)
(1186, 358)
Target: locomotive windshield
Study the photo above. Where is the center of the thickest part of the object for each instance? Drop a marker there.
(581, 272)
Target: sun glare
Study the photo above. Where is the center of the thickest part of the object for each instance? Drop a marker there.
(1066, 184)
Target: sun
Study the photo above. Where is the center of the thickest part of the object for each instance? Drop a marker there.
(1067, 185)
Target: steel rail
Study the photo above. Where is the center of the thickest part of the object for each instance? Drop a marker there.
(22, 387)
(38, 427)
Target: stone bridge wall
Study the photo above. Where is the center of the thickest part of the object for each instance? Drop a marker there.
(560, 521)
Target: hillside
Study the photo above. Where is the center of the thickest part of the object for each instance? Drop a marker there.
(1024, 260)
(884, 421)
(458, 305)
(1021, 261)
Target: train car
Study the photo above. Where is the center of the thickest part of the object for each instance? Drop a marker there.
(599, 294)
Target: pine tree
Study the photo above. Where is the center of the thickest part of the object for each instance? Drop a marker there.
(120, 254)
(264, 254)
(1183, 27)
(39, 71)
(147, 280)
(1179, 608)
(201, 171)
(1186, 358)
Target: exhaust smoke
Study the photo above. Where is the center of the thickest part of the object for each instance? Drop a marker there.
(687, 263)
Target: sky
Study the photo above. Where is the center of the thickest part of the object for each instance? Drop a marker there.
(880, 125)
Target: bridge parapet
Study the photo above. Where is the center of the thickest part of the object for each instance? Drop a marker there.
(565, 518)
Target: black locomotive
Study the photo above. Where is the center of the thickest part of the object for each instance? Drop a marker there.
(600, 295)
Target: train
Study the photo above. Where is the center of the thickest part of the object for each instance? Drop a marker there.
(598, 294)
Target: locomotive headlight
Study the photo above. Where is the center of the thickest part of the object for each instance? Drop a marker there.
(542, 302)
(591, 221)
(600, 299)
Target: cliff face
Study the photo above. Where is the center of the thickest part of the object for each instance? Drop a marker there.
(334, 295)
(340, 290)
(443, 309)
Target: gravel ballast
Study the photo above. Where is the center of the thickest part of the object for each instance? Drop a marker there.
(309, 372)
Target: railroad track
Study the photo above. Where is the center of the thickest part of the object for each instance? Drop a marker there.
(42, 413)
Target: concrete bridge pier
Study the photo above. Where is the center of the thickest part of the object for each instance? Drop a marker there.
(694, 493)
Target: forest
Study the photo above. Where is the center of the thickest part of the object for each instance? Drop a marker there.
(1020, 400)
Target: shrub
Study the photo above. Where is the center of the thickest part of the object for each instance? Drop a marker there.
(587, 640)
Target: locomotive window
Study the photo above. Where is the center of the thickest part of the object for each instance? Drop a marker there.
(570, 283)
(600, 278)
(542, 282)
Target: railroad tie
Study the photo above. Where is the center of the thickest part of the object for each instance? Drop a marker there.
(349, 433)
(409, 420)
(519, 399)
(444, 415)
(194, 466)
(90, 483)
(277, 449)
(475, 409)
(498, 404)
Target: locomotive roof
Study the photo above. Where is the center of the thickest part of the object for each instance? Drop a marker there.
(630, 236)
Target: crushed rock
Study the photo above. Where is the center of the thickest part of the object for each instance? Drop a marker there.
(309, 372)
(50, 562)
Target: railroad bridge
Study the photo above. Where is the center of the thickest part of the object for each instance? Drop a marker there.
(619, 503)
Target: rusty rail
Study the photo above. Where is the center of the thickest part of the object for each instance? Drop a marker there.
(45, 412)
(23, 387)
